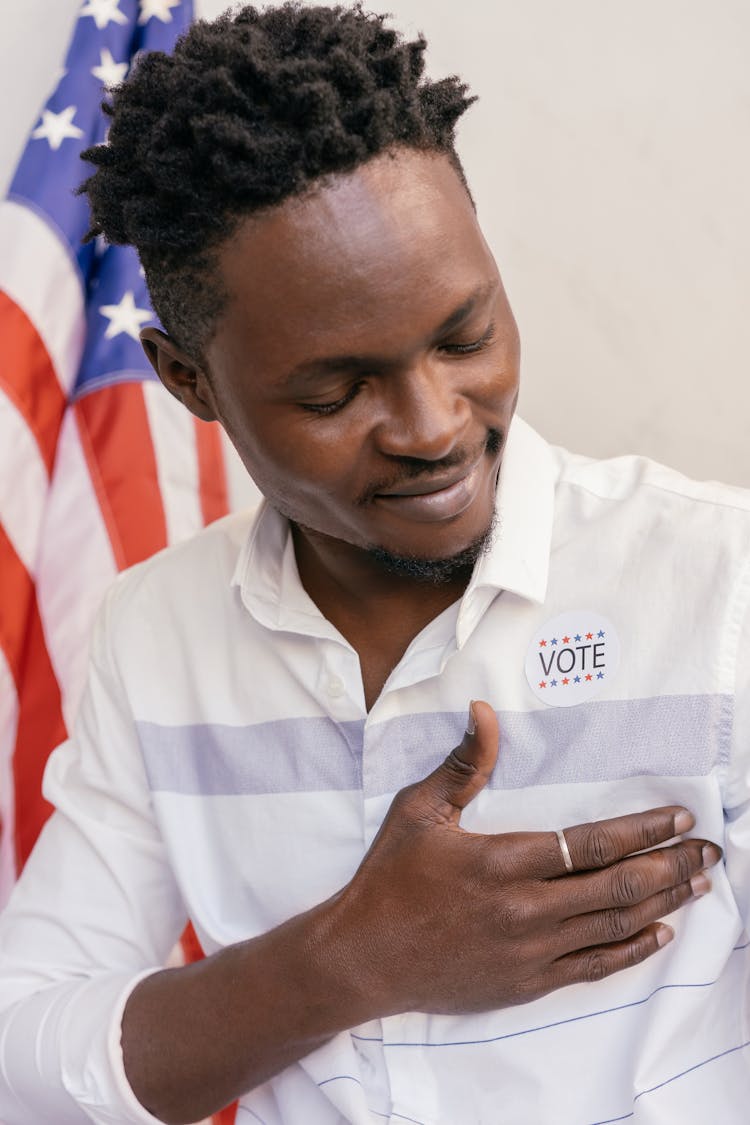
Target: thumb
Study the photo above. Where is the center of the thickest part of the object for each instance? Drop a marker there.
(465, 772)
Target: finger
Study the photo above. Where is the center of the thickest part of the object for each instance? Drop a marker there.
(599, 961)
(604, 842)
(444, 793)
(637, 878)
(606, 927)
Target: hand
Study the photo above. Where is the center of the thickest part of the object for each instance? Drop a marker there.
(452, 921)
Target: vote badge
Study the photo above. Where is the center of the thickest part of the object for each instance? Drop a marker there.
(572, 658)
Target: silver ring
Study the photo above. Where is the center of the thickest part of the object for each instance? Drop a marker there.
(565, 850)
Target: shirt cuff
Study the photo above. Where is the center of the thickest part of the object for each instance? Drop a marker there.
(62, 1046)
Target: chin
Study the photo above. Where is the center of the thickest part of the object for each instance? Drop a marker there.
(435, 571)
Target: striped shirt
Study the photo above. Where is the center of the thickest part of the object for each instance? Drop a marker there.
(224, 768)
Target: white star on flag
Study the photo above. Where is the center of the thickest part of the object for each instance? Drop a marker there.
(109, 72)
(125, 317)
(55, 127)
(103, 12)
(160, 9)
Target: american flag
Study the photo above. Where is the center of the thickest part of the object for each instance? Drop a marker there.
(99, 466)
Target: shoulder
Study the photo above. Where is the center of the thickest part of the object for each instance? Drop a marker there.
(191, 579)
(647, 492)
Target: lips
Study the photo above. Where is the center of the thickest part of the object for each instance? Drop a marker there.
(433, 484)
(438, 498)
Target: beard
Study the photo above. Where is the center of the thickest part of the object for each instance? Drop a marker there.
(435, 572)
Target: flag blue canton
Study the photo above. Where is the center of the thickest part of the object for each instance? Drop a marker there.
(107, 37)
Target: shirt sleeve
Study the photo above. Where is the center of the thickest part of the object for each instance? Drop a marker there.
(737, 785)
(96, 909)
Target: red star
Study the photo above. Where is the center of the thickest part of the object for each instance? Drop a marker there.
(566, 680)
(566, 640)
(588, 676)
(542, 683)
(589, 636)
(542, 644)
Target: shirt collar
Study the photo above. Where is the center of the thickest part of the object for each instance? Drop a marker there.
(517, 561)
(268, 579)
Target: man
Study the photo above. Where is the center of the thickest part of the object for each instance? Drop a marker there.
(262, 745)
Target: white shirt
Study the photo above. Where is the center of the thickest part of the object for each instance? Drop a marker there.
(224, 768)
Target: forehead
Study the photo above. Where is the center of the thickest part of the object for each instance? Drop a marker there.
(392, 246)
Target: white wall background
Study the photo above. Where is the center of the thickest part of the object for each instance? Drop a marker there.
(610, 162)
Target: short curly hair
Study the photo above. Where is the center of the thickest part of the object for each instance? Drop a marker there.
(249, 110)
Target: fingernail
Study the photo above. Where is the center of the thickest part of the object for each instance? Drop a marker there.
(700, 884)
(471, 725)
(683, 822)
(664, 935)
(711, 854)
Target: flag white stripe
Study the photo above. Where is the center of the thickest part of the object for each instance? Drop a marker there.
(76, 565)
(43, 280)
(173, 439)
(22, 490)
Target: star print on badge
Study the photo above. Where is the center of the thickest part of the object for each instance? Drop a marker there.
(157, 9)
(56, 127)
(125, 317)
(570, 657)
(109, 72)
(103, 12)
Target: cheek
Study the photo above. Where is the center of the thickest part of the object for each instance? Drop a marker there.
(302, 457)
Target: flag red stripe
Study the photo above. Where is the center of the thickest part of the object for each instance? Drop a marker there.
(40, 729)
(40, 721)
(18, 595)
(116, 441)
(226, 1116)
(28, 377)
(212, 477)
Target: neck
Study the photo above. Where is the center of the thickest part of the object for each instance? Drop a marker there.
(337, 574)
(377, 612)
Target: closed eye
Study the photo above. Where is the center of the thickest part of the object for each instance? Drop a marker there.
(332, 407)
(472, 347)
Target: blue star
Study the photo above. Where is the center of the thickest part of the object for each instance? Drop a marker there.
(578, 636)
(577, 680)
(553, 641)
(600, 675)
(600, 633)
(553, 683)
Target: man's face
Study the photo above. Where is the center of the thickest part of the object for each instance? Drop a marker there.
(366, 368)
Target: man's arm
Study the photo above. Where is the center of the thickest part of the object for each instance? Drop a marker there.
(436, 919)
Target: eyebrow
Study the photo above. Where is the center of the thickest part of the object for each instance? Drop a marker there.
(327, 365)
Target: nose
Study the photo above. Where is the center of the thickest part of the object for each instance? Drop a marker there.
(426, 415)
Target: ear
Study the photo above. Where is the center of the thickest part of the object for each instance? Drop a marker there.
(180, 374)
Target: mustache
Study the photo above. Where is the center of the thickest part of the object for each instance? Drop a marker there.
(413, 468)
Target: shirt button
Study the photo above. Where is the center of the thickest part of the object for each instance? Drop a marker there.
(335, 687)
